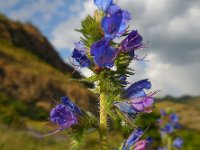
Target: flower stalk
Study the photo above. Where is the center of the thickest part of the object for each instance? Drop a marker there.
(103, 122)
(169, 143)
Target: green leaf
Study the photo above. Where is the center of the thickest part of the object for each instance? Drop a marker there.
(91, 31)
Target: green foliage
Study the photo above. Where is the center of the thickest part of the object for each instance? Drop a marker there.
(149, 120)
(14, 112)
(87, 123)
(91, 30)
(78, 138)
(122, 62)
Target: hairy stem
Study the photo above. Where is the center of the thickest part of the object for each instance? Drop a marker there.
(103, 122)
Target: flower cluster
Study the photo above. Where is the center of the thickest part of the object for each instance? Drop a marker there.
(114, 24)
(168, 124)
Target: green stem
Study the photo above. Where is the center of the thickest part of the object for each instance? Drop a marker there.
(169, 143)
(103, 122)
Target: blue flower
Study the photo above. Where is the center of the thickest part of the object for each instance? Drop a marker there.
(65, 100)
(168, 128)
(115, 25)
(103, 4)
(136, 89)
(104, 54)
(174, 118)
(63, 116)
(113, 9)
(142, 104)
(79, 54)
(125, 107)
(134, 137)
(178, 142)
(132, 42)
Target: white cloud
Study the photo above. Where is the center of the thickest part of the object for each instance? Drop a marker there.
(169, 78)
(44, 8)
(64, 35)
(8, 3)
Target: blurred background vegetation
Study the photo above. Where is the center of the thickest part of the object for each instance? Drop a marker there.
(33, 76)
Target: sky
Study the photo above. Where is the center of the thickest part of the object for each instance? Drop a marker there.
(172, 28)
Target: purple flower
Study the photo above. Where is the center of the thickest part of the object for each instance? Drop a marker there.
(113, 9)
(142, 104)
(63, 116)
(79, 54)
(174, 118)
(125, 107)
(178, 142)
(134, 137)
(104, 54)
(70, 105)
(103, 4)
(115, 25)
(141, 145)
(132, 42)
(168, 128)
(136, 90)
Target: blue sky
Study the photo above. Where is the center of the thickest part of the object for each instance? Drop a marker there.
(171, 27)
(45, 14)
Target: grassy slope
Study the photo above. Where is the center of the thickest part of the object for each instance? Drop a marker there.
(36, 79)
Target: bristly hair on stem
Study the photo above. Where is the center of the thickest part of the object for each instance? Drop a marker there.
(91, 31)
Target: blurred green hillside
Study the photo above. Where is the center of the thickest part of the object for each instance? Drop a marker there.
(33, 77)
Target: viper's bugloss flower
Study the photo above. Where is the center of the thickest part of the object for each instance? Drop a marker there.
(125, 107)
(134, 137)
(113, 9)
(115, 25)
(104, 54)
(63, 116)
(168, 128)
(174, 118)
(79, 54)
(142, 145)
(132, 42)
(142, 104)
(178, 142)
(136, 89)
(103, 4)
(66, 101)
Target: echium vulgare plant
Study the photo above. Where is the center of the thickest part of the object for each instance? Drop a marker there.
(109, 60)
(168, 126)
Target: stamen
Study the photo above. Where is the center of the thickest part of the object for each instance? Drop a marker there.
(140, 59)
